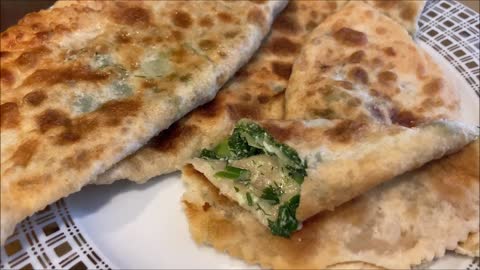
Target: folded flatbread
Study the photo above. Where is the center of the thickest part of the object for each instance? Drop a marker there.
(432, 219)
(360, 64)
(86, 83)
(405, 12)
(411, 219)
(255, 92)
(271, 168)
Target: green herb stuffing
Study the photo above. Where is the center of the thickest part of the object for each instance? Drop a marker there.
(234, 173)
(250, 139)
(272, 194)
(286, 222)
(249, 199)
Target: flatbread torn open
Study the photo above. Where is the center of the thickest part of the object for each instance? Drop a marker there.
(86, 83)
(360, 64)
(404, 222)
(271, 168)
(255, 92)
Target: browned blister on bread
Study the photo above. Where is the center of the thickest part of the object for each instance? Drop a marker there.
(86, 83)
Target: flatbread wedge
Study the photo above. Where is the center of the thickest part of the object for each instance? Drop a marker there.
(404, 222)
(360, 64)
(405, 12)
(255, 92)
(86, 83)
(271, 168)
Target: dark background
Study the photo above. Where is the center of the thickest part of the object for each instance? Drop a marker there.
(13, 10)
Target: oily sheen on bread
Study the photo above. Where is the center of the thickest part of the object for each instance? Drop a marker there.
(86, 83)
(343, 159)
(404, 222)
(255, 92)
(360, 64)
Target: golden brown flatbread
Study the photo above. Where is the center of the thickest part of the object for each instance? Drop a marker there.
(86, 83)
(411, 219)
(360, 64)
(405, 12)
(255, 92)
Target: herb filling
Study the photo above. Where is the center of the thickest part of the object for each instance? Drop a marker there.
(264, 175)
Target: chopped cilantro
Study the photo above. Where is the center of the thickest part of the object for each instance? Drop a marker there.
(272, 194)
(286, 222)
(234, 173)
(249, 199)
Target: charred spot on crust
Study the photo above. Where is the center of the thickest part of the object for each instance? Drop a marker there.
(387, 77)
(171, 139)
(206, 22)
(231, 34)
(182, 19)
(9, 115)
(408, 12)
(24, 153)
(282, 69)
(283, 46)
(35, 98)
(404, 118)
(211, 109)
(4, 54)
(358, 74)
(389, 51)
(123, 37)
(44, 35)
(356, 57)
(225, 17)
(61, 75)
(77, 130)
(434, 86)
(262, 99)
(132, 16)
(6, 77)
(286, 24)
(350, 37)
(207, 45)
(52, 118)
(83, 158)
(256, 16)
(115, 110)
(30, 58)
(344, 131)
